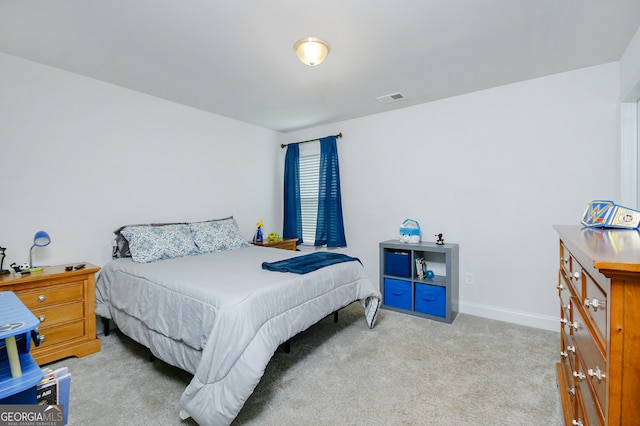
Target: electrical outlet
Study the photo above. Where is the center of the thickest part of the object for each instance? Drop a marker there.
(469, 279)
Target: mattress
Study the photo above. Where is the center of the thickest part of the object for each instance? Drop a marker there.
(221, 316)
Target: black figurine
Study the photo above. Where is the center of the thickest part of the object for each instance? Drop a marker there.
(440, 240)
(2, 271)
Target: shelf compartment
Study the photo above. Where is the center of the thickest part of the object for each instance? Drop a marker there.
(431, 300)
(397, 293)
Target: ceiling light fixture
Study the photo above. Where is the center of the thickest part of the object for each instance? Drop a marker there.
(311, 51)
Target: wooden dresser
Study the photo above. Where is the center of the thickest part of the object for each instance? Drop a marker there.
(65, 304)
(599, 290)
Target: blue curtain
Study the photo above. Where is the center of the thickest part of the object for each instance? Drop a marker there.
(292, 226)
(330, 226)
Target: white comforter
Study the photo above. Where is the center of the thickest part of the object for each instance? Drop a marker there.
(221, 316)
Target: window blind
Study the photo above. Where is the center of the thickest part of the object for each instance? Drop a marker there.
(309, 182)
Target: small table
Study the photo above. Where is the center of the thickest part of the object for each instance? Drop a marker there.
(285, 244)
(16, 328)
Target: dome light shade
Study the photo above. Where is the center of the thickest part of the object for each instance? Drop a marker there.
(311, 51)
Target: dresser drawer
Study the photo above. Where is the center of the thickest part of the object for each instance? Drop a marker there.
(587, 404)
(595, 304)
(46, 296)
(52, 315)
(572, 270)
(568, 351)
(54, 335)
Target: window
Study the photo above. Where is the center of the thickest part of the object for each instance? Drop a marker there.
(319, 195)
(309, 184)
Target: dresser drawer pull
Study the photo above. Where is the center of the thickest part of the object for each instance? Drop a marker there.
(565, 354)
(571, 391)
(593, 304)
(42, 298)
(563, 321)
(42, 338)
(565, 259)
(597, 374)
(577, 423)
(579, 375)
(576, 276)
(561, 287)
(575, 325)
(42, 318)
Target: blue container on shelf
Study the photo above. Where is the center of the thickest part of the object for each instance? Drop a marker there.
(398, 263)
(431, 299)
(397, 293)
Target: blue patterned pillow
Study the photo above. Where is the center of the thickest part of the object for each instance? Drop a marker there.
(151, 243)
(217, 235)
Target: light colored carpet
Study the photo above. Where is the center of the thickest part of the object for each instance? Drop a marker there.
(406, 371)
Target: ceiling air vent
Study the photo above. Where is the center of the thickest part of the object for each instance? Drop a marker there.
(391, 98)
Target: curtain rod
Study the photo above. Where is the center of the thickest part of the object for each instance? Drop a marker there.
(339, 135)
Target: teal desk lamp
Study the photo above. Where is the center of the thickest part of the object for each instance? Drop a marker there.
(41, 239)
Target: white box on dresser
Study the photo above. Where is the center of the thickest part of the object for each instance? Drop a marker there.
(599, 290)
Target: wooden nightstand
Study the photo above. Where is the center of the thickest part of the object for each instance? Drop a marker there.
(285, 244)
(65, 304)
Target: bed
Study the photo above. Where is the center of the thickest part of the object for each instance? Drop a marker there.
(220, 316)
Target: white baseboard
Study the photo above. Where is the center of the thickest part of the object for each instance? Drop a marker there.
(508, 315)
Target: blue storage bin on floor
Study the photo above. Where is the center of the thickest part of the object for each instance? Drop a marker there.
(397, 293)
(431, 299)
(397, 263)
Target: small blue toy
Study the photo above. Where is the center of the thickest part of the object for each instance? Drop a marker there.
(430, 274)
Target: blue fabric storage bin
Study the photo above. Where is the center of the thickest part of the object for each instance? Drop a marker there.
(431, 299)
(397, 293)
(397, 263)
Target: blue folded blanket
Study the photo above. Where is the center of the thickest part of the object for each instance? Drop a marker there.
(308, 262)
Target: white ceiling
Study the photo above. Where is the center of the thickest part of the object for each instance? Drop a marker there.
(235, 58)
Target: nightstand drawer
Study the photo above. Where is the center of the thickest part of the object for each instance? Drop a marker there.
(54, 335)
(50, 316)
(45, 296)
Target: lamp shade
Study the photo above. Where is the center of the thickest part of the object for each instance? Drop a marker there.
(311, 51)
(41, 239)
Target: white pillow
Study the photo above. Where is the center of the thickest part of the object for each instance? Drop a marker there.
(217, 235)
(151, 243)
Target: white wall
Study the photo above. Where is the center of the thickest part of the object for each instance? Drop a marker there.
(629, 139)
(80, 158)
(493, 171)
(630, 70)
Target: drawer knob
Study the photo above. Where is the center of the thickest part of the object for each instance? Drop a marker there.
(565, 259)
(560, 287)
(42, 318)
(597, 374)
(42, 338)
(577, 423)
(575, 325)
(576, 276)
(565, 353)
(579, 375)
(571, 391)
(593, 304)
(42, 298)
(563, 321)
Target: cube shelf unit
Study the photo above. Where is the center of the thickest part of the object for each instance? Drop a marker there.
(404, 291)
